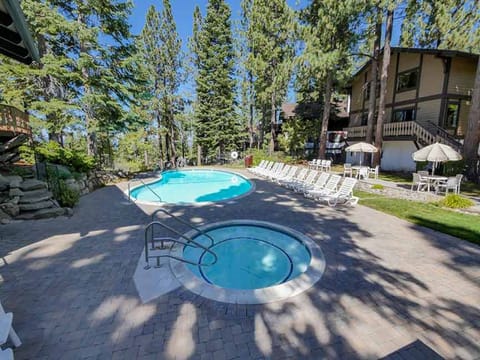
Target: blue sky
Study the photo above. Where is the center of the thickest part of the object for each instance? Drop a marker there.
(183, 13)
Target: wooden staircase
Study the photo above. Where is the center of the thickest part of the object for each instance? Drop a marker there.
(424, 132)
(14, 131)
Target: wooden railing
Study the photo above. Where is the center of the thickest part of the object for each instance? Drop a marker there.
(407, 128)
(13, 120)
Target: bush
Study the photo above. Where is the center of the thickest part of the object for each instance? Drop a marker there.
(54, 153)
(67, 197)
(455, 201)
(378, 187)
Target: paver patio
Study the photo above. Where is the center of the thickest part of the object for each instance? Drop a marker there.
(390, 288)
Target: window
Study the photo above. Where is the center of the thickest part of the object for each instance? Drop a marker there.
(452, 115)
(364, 120)
(404, 115)
(407, 80)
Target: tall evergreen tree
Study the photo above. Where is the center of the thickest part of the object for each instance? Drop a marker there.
(270, 37)
(329, 37)
(161, 49)
(216, 126)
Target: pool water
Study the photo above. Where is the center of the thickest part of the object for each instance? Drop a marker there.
(249, 257)
(193, 186)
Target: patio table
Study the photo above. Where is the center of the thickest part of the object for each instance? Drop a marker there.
(433, 180)
(357, 169)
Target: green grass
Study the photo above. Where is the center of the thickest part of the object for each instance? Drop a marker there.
(463, 226)
(470, 189)
(397, 177)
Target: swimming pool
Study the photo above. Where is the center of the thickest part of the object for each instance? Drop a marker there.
(257, 262)
(193, 186)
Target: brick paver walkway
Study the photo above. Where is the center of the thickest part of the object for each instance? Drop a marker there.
(390, 288)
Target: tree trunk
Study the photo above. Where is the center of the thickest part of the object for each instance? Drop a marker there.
(159, 134)
(373, 86)
(271, 147)
(199, 155)
(89, 120)
(326, 115)
(472, 135)
(383, 89)
(250, 128)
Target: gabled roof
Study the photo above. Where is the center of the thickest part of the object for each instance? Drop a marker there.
(15, 39)
(438, 52)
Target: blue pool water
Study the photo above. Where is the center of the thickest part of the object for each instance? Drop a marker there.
(249, 257)
(193, 186)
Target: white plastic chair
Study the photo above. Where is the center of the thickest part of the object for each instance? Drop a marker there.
(290, 176)
(344, 194)
(318, 185)
(6, 328)
(418, 182)
(374, 171)
(347, 170)
(309, 180)
(450, 184)
(329, 188)
(297, 179)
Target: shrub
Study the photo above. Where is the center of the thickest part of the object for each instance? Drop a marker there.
(259, 155)
(378, 187)
(455, 201)
(54, 153)
(67, 197)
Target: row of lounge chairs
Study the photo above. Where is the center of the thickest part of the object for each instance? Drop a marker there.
(314, 184)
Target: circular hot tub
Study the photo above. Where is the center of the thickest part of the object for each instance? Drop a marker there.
(249, 262)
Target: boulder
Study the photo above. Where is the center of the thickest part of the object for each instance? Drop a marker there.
(14, 181)
(35, 196)
(4, 183)
(32, 184)
(10, 209)
(4, 217)
(15, 192)
(72, 185)
(14, 200)
(36, 206)
(42, 214)
(68, 211)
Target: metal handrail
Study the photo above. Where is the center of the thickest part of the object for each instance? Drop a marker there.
(189, 242)
(184, 222)
(146, 185)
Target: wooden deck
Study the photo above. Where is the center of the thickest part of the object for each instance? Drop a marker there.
(13, 122)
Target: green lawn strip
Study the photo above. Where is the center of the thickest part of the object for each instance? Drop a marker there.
(430, 215)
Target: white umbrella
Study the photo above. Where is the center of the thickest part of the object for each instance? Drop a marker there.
(436, 153)
(361, 147)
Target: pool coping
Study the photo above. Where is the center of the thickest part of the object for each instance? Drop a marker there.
(157, 203)
(270, 294)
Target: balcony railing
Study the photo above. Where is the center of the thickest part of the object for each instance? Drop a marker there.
(423, 133)
(14, 121)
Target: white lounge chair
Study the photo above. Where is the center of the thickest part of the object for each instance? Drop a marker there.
(266, 170)
(259, 169)
(319, 184)
(309, 180)
(259, 166)
(330, 188)
(344, 195)
(297, 179)
(290, 175)
(281, 174)
(276, 169)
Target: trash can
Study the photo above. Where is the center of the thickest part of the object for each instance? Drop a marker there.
(248, 161)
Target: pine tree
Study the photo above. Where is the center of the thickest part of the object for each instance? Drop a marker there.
(216, 126)
(161, 50)
(270, 38)
(329, 36)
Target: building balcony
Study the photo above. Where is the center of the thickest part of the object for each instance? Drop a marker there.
(13, 122)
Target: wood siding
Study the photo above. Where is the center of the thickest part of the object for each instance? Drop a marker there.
(431, 80)
(463, 117)
(429, 111)
(462, 76)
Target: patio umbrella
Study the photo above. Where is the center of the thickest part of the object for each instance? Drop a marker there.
(436, 153)
(361, 147)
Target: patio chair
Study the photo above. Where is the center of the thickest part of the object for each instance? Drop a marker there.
(312, 164)
(374, 171)
(327, 165)
(459, 178)
(278, 169)
(344, 195)
(418, 182)
(362, 173)
(318, 185)
(309, 180)
(450, 184)
(298, 178)
(259, 166)
(290, 175)
(347, 170)
(281, 173)
(6, 329)
(330, 188)
(423, 173)
(259, 169)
